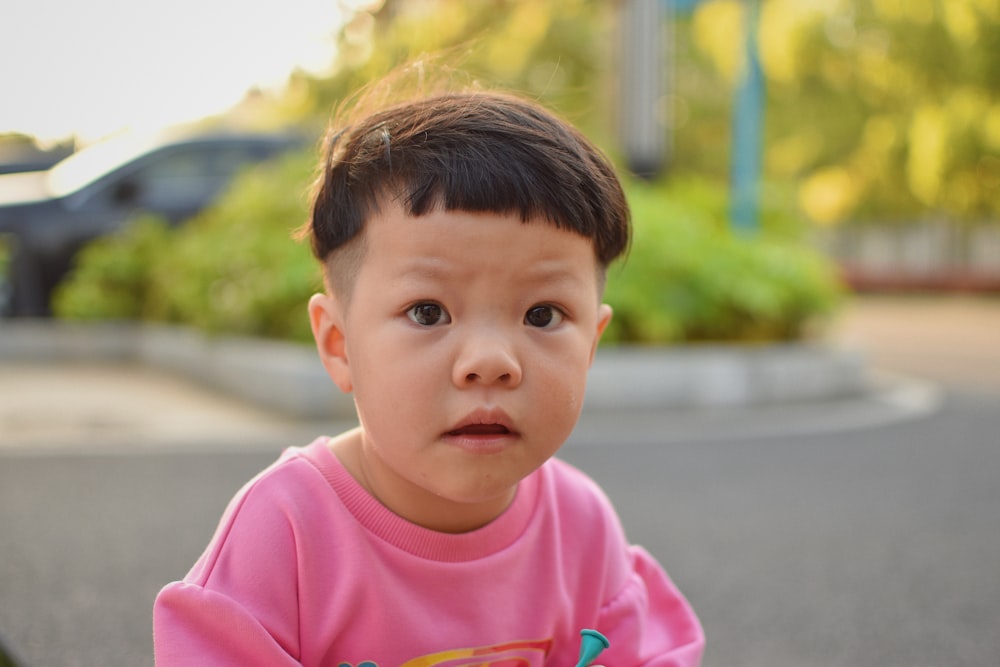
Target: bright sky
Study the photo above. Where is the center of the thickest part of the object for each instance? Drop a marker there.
(94, 67)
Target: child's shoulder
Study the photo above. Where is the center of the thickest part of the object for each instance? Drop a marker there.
(261, 512)
(581, 518)
(281, 486)
(574, 493)
(564, 472)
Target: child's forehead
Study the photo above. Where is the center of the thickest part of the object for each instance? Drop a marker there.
(443, 221)
(488, 235)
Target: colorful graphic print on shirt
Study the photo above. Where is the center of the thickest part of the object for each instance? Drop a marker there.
(526, 653)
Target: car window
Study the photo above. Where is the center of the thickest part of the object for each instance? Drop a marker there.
(186, 178)
(94, 162)
(175, 182)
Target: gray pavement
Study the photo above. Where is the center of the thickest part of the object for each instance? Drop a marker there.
(83, 405)
(875, 547)
(951, 340)
(857, 531)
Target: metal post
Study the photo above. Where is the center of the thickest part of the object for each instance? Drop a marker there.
(642, 121)
(748, 126)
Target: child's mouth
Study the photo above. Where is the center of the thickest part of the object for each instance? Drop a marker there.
(481, 429)
(481, 438)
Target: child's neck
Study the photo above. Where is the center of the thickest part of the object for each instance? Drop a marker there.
(407, 501)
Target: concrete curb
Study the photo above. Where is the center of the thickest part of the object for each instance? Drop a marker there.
(724, 375)
(282, 376)
(288, 377)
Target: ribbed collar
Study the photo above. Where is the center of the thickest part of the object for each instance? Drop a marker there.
(417, 540)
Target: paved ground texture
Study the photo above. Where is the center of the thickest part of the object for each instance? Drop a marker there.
(951, 340)
(861, 533)
(954, 341)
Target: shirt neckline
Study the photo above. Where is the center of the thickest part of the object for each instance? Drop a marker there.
(417, 540)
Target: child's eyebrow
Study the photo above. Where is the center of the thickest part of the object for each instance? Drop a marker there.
(423, 267)
(556, 273)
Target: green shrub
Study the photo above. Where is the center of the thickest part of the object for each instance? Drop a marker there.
(235, 269)
(111, 276)
(689, 278)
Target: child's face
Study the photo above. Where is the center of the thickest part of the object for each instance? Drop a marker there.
(466, 341)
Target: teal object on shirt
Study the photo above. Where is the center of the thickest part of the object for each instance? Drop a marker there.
(592, 643)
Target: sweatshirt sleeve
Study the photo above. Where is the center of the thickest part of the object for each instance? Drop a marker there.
(649, 622)
(196, 626)
(239, 604)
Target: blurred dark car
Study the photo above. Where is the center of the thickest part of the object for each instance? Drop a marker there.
(18, 158)
(47, 216)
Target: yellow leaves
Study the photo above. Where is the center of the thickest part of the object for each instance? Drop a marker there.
(829, 195)
(991, 128)
(925, 165)
(879, 138)
(882, 77)
(988, 173)
(935, 130)
(784, 31)
(525, 27)
(429, 25)
(784, 27)
(832, 194)
(989, 8)
(915, 11)
(961, 20)
(718, 32)
(934, 141)
(967, 106)
(778, 43)
(790, 155)
(508, 46)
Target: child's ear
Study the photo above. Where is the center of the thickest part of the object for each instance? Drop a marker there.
(327, 321)
(604, 314)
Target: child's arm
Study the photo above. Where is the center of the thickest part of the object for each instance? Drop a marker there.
(239, 603)
(620, 589)
(195, 626)
(649, 622)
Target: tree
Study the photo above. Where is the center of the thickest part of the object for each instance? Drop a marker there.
(557, 51)
(879, 109)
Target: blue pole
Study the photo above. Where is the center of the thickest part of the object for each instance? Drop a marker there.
(681, 5)
(748, 125)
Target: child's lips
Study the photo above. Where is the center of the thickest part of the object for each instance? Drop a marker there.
(483, 426)
(481, 429)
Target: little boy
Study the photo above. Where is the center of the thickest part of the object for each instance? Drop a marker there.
(464, 239)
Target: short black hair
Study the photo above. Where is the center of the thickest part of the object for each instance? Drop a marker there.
(471, 151)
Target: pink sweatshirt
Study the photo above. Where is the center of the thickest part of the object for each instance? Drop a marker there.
(307, 568)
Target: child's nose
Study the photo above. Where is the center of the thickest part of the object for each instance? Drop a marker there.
(487, 358)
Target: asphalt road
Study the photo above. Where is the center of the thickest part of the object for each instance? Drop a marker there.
(873, 546)
(862, 534)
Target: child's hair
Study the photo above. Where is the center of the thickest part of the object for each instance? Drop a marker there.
(466, 151)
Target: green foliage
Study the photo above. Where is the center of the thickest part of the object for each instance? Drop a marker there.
(111, 279)
(558, 51)
(234, 268)
(880, 110)
(884, 109)
(688, 278)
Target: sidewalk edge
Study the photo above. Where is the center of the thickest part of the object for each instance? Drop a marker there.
(288, 377)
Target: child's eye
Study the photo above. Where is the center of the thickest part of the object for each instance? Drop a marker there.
(428, 314)
(543, 317)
